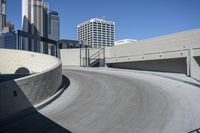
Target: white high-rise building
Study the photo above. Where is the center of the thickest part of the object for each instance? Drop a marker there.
(35, 22)
(97, 33)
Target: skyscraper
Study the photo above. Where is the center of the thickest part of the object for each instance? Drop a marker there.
(35, 22)
(54, 25)
(97, 32)
(2, 14)
(53, 29)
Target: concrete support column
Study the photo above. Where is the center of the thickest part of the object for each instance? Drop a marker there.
(195, 67)
(189, 57)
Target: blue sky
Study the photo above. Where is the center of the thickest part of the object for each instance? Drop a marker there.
(135, 19)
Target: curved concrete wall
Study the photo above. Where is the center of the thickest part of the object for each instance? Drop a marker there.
(11, 60)
(20, 94)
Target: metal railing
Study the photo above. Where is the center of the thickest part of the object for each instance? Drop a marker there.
(96, 59)
(37, 43)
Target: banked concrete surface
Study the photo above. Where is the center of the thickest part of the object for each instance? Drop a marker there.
(110, 101)
(106, 101)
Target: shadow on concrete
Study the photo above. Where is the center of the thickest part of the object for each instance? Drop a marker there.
(19, 73)
(65, 83)
(22, 71)
(33, 123)
(8, 77)
(197, 59)
(177, 65)
(17, 115)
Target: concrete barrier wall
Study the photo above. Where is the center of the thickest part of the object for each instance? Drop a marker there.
(177, 46)
(20, 94)
(12, 60)
(176, 42)
(70, 57)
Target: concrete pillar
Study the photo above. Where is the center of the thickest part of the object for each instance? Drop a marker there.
(189, 57)
(195, 67)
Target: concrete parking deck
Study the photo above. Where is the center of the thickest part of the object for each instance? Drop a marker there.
(117, 101)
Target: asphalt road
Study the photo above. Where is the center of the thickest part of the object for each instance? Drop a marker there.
(106, 101)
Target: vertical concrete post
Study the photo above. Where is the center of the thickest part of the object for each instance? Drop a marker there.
(80, 56)
(189, 62)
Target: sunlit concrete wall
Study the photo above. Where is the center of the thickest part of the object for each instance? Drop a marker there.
(76, 57)
(70, 57)
(183, 45)
(19, 94)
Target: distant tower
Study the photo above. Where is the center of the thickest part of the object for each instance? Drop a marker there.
(97, 32)
(53, 29)
(35, 21)
(2, 14)
(54, 25)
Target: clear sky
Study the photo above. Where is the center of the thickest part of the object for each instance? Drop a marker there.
(135, 19)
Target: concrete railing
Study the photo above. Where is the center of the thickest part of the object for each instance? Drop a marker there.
(43, 80)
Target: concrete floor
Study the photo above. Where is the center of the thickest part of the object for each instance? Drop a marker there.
(110, 101)
(123, 102)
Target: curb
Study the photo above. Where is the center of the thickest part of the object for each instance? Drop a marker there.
(53, 97)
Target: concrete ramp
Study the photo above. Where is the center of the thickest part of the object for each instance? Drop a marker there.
(120, 101)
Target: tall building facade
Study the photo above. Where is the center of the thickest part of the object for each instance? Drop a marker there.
(2, 14)
(97, 33)
(54, 25)
(35, 22)
(8, 37)
(53, 29)
(7, 31)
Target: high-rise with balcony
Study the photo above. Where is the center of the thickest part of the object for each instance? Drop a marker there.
(35, 22)
(97, 32)
(2, 14)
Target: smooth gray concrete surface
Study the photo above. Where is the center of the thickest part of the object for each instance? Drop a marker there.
(116, 101)
(109, 101)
